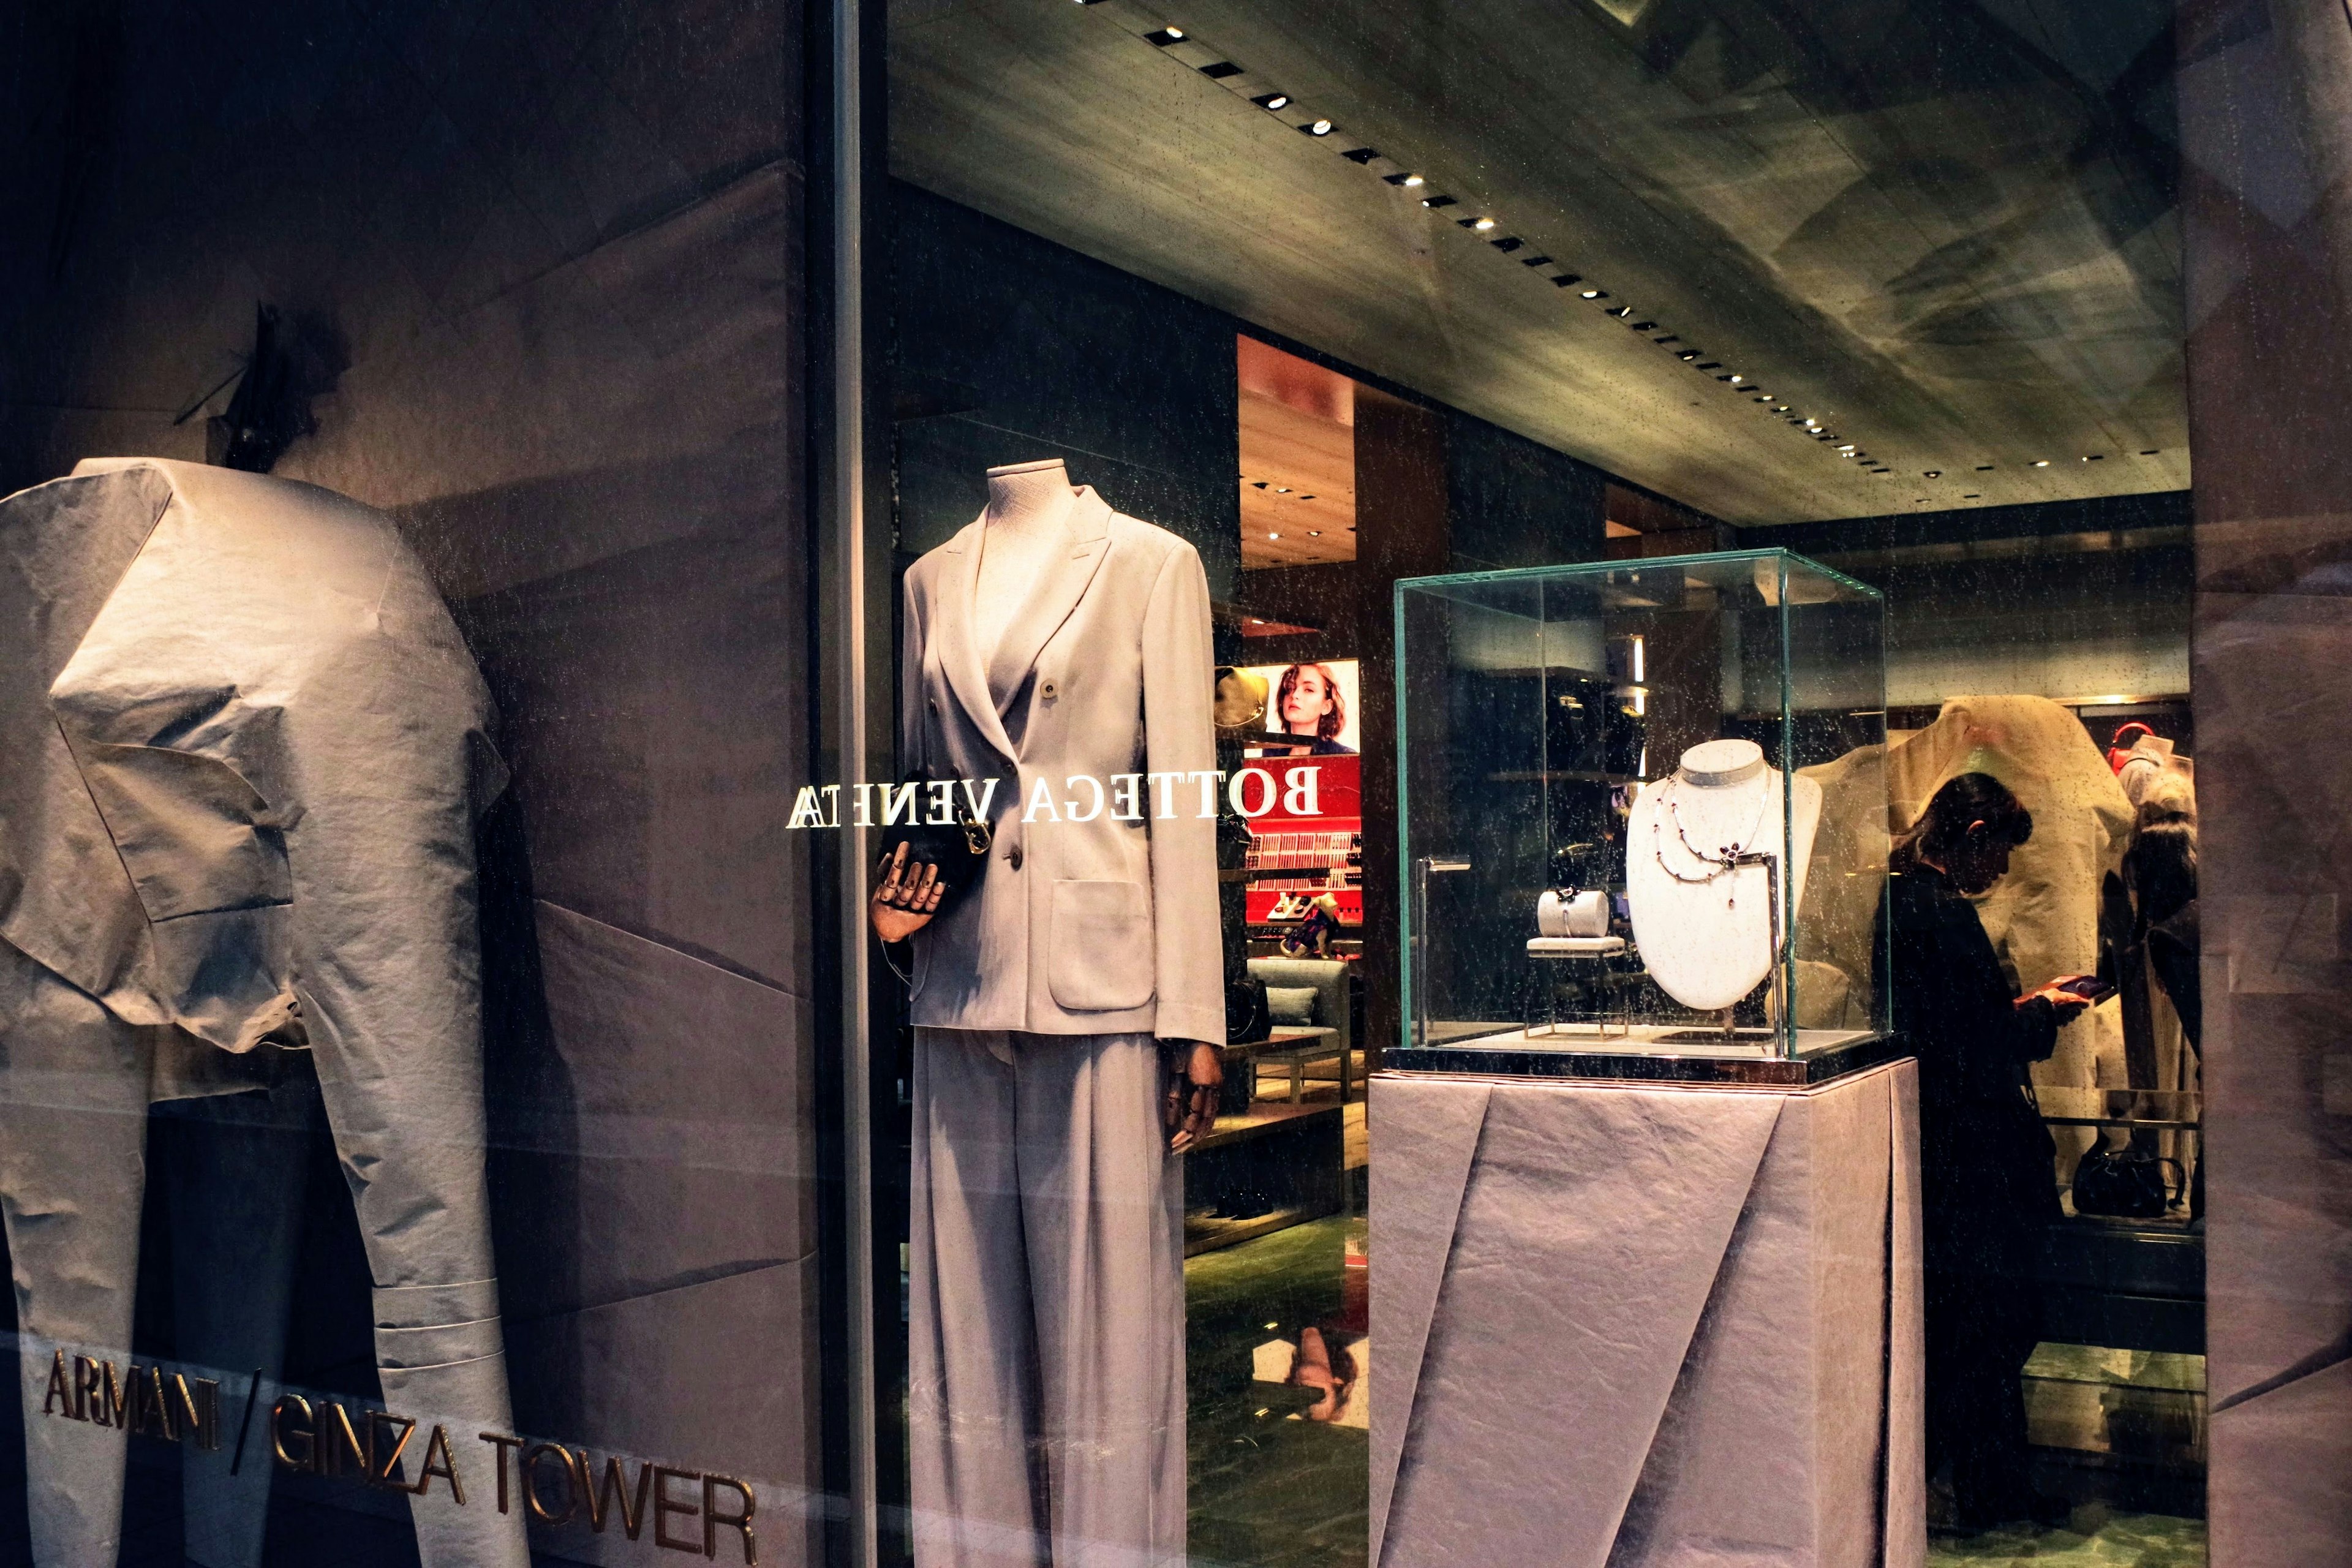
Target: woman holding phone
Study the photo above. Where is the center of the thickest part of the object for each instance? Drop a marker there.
(1987, 1184)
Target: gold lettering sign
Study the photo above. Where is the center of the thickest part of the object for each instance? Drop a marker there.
(325, 1436)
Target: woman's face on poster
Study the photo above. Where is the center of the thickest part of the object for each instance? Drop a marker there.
(1309, 700)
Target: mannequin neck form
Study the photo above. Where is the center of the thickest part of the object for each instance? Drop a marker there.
(1028, 497)
(1721, 765)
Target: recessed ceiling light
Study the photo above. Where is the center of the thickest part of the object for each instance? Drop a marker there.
(1164, 36)
(2095, 457)
(1593, 294)
(1483, 225)
(1710, 365)
(1686, 353)
(1567, 279)
(1361, 154)
(1314, 533)
(2151, 452)
(1621, 312)
(1173, 31)
(1849, 447)
(1274, 536)
(1642, 326)
(1984, 468)
(1414, 182)
(1780, 408)
(2041, 462)
(1432, 203)
(1934, 473)
(1737, 379)
(1320, 127)
(1282, 490)
(1972, 495)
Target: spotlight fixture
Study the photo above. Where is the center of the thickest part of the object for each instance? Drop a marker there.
(1973, 495)
(1535, 261)
(1848, 448)
(2151, 452)
(1433, 202)
(1734, 380)
(1621, 312)
(1165, 36)
(2041, 462)
(1272, 100)
(1643, 326)
(1274, 536)
(2095, 457)
(1218, 70)
(1780, 408)
(1482, 225)
(1414, 182)
(1567, 280)
(1686, 353)
(1984, 468)
(1314, 533)
(1710, 365)
(1592, 293)
(1668, 338)
(1507, 244)
(1319, 128)
(1361, 154)
(1282, 490)
(1934, 473)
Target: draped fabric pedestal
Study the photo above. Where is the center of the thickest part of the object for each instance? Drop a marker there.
(1642, 1324)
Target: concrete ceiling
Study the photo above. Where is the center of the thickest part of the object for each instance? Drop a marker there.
(1945, 230)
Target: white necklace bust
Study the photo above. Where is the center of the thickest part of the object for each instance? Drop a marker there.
(1694, 876)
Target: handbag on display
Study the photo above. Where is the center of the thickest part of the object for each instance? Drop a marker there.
(2124, 1184)
(960, 848)
(1572, 912)
(1248, 1019)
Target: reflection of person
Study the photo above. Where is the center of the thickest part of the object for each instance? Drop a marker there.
(1986, 1177)
(1333, 1359)
(1307, 702)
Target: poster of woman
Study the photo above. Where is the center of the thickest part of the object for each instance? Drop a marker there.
(1316, 703)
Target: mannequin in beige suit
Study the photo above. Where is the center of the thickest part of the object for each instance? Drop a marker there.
(1054, 647)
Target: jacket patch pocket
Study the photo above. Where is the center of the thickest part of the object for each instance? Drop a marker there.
(1102, 959)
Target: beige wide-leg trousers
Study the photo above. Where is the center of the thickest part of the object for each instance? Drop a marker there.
(1046, 1309)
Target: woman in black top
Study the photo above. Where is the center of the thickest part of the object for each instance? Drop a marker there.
(1986, 1182)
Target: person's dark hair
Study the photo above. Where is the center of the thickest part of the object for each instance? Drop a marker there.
(1944, 825)
(1335, 717)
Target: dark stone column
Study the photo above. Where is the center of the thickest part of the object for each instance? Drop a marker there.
(2266, 123)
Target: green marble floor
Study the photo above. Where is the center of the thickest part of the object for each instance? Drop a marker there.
(1269, 1489)
(2093, 1538)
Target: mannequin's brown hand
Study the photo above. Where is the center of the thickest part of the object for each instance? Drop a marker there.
(906, 896)
(1193, 1075)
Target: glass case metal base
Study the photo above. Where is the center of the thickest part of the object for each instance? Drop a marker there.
(1823, 1055)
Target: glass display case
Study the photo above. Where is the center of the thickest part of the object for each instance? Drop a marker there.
(1643, 818)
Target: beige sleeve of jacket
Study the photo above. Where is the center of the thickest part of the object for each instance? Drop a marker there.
(1179, 674)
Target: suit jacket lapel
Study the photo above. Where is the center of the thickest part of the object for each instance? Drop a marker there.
(1057, 592)
(959, 655)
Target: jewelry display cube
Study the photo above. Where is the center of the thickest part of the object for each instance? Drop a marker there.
(1644, 820)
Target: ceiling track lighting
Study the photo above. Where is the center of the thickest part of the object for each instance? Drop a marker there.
(1170, 33)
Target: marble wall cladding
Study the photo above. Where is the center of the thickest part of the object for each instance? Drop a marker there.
(545, 263)
(2266, 120)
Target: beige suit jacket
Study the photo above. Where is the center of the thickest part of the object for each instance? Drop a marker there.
(1095, 916)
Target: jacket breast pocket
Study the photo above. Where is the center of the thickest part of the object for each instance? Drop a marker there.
(1102, 959)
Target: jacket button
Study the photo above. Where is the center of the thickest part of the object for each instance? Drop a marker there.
(1013, 857)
